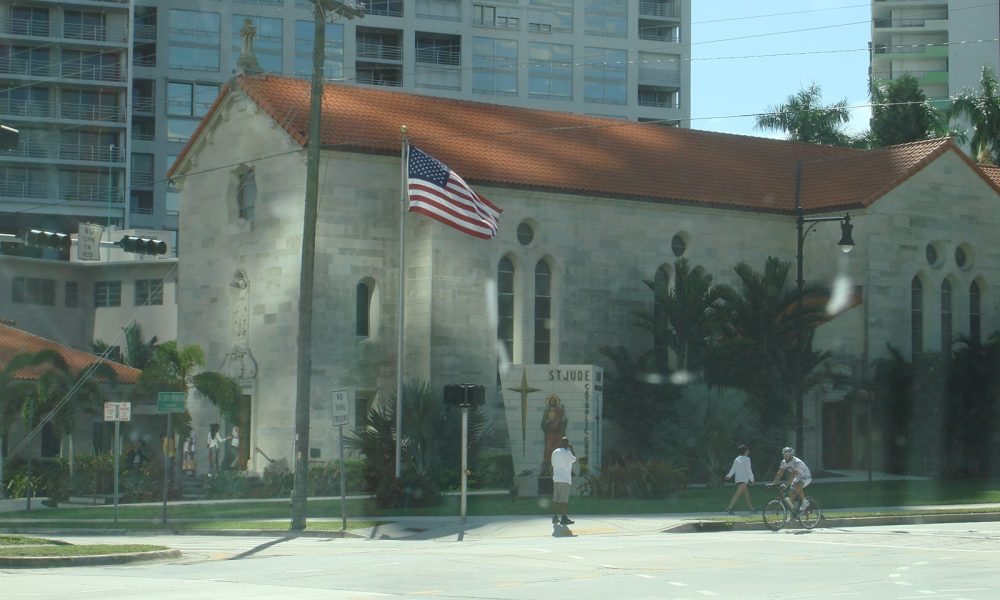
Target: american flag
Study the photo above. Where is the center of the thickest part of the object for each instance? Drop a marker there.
(438, 192)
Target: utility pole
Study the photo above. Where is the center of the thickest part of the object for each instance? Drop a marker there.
(304, 340)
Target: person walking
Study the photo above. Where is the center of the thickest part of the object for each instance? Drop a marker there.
(742, 472)
(563, 458)
(215, 441)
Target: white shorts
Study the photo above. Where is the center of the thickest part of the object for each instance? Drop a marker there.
(805, 481)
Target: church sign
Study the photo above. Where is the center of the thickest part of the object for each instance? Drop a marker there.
(542, 404)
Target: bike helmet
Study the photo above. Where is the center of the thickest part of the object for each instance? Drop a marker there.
(788, 450)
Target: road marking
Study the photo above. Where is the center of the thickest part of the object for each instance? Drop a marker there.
(707, 593)
(306, 571)
(894, 575)
(575, 557)
(644, 576)
(677, 584)
(902, 568)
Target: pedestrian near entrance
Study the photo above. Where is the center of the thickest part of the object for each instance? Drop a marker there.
(742, 473)
(563, 458)
(215, 442)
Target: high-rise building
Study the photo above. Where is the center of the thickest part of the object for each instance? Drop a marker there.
(98, 136)
(944, 44)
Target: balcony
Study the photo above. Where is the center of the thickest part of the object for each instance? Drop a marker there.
(380, 51)
(25, 108)
(652, 8)
(144, 33)
(89, 193)
(83, 112)
(77, 70)
(91, 153)
(28, 149)
(29, 27)
(659, 77)
(439, 56)
(651, 30)
(143, 104)
(25, 66)
(23, 189)
(94, 33)
(910, 51)
(937, 22)
(923, 77)
(142, 180)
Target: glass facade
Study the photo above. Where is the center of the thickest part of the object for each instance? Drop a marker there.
(194, 40)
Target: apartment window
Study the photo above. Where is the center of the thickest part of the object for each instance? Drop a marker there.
(386, 8)
(916, 316)
(82, 25)
(547, 16)
(607, 18)
(497, 17)
(494, 66)
(438, 49)
(187, 99)
(93, 66)
(148, 292)
(946, 316)
(21, 60)
(447, 10)
(975, 312)
(107, 293)
(266, 44)
(29, 101)
(505, 308)
(90, 105)
(604, 76)
(550, 71)
(333, 62)
(23, 182)
(86, 185)
(32, 290)
(29, 20)
(195, 39)
(543, 313)
(246, 195)
(71, 294)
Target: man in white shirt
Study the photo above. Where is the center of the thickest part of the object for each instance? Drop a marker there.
(800, 475)
(563, 458)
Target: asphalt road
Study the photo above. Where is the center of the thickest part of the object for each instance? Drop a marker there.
(955, 561)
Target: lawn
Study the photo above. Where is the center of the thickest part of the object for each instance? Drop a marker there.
(694, 500)
(59, 550)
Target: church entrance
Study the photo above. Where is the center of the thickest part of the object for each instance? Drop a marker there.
(238, 455)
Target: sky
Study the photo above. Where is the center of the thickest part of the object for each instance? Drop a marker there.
(749, 57)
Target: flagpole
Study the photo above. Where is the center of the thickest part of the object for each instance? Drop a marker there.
(399, 304)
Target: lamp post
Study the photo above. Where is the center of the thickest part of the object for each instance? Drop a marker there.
(846, 244)
(304, 341)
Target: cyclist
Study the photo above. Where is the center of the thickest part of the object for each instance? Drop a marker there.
(800, 475)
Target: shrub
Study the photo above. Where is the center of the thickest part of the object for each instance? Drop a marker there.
(492, 472)
(637, 480)
(227, 484)
(411, 490)
(94, 474)
(49, 477)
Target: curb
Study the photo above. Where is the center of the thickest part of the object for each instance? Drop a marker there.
(827, 522)
(44, 562)
(147, 532)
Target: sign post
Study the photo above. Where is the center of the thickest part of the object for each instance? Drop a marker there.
(169, 402)
(117, 412)
(341, 417)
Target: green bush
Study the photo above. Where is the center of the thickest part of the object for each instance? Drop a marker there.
(49, 478)
(93, 474)
(492, 472)
(411, 490)
(226, 485)
(637, 480)
(278, 480)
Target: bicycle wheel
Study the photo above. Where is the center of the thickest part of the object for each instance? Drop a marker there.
(811, 516)
(774, 514)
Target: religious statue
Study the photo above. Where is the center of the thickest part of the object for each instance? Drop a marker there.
(554, 426)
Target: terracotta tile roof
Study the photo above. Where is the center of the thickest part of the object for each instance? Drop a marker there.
(546, 150)
(993, 172)
(15, 341)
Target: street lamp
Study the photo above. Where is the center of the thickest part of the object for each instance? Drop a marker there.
(304, 341)
(846, 244)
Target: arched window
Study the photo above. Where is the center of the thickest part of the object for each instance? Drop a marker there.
(661, 324)
(975, 312)
(363, 311)
(916, 317)
(246, 195)
(505, 307)
(946, 316)
(543, 313)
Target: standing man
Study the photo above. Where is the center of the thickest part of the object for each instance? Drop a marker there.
(563, 458)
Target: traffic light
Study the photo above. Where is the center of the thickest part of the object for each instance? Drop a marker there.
(48, 239)
(8, 137)
(141, 245)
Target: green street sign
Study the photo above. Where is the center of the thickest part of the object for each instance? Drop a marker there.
(170, 402)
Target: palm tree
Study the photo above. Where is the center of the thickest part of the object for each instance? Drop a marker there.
(901, 113)
(13, 393)
(982, 110)
(765, 345)
(805, 119)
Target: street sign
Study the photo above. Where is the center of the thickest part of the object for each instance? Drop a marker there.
(88, 241)
(170, 402)
(342, 407)
(117, 411)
